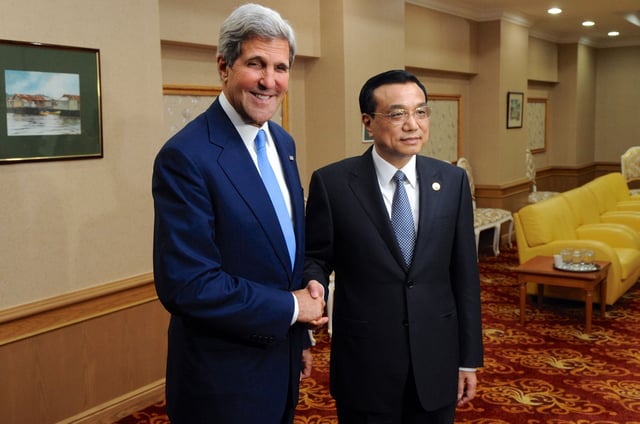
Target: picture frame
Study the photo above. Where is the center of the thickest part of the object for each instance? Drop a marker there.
(445, 127)
(537, 118)
(515, 106)
(51, 102)
(183, 102)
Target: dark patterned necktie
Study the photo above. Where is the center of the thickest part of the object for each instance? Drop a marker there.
(402, 218)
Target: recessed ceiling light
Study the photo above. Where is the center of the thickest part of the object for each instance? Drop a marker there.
(613, 33)
(554, 11)
(588, 23)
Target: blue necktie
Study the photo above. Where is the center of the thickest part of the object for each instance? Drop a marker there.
(277, 199)
(402, 219)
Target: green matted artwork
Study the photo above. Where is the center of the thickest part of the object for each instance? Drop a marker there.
(50, 108)
(515, 104)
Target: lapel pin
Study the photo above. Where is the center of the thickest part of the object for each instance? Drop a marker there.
(291, 158)
(435, 186)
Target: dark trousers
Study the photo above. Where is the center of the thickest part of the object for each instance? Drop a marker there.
(408, 411)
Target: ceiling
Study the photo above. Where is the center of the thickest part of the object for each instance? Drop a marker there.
(619, 15)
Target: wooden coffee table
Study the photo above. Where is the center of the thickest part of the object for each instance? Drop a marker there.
(540, 270)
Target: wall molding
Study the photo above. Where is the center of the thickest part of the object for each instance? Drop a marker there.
(39, 317)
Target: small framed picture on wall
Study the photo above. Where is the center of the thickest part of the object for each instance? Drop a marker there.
(515, 104)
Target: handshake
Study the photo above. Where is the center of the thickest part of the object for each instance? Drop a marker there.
(311, 304)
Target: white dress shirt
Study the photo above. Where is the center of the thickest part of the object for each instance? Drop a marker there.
(385, 172)
(248, 134)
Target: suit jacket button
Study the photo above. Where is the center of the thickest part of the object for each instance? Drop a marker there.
(410, 284)
(405, 323)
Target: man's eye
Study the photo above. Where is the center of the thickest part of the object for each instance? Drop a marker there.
(421, 113)
(396, 114)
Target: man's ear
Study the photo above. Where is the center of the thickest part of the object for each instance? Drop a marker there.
(223, 69)
(366, 121)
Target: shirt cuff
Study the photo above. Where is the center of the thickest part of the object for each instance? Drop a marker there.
(468, 369)
(295, 310)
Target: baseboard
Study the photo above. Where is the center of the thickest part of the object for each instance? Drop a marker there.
(118, 408)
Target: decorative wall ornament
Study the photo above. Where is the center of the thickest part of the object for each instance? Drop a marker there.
(515, 105)
(537, 117)
(51, 106)
(182, 103)
(444, 127)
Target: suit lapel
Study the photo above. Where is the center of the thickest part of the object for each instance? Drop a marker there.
(430, 185)
(363, 181)
(235, 162)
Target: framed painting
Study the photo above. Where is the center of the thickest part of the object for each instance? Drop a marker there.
(444, 127)
(514, 109)
(537, 116)
(51, 106)
(182, 103)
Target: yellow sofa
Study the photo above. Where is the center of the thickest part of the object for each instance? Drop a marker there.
(612, 193)
(595, 216)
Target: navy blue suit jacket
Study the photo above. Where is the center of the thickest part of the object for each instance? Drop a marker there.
(223, 272)
(388, 319)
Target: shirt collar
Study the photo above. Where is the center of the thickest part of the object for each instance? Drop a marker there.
(386, 171)
(246, 131)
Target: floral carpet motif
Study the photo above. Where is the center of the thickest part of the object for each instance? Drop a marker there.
(547, 371)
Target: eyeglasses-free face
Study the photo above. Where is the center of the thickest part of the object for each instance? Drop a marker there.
(257, 81)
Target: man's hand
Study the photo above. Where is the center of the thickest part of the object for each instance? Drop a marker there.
(467, 383)
(307, 362)
(311, 304)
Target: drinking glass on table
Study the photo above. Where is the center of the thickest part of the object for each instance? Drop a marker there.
(566, 256)
(588, 258)
(577, 256)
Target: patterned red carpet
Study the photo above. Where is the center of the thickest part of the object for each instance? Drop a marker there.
(547, 371)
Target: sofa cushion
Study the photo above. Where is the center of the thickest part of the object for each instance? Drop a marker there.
(582, 203)
(618, 186)
(547, 221)
(606, 200)
(611, 191)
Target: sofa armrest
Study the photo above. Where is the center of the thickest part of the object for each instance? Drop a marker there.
(614, 235)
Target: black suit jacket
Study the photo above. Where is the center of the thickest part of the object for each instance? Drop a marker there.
(388, 319)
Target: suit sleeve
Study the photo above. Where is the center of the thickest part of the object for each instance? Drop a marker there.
(466, 283)
(189, 268)
(319, 234)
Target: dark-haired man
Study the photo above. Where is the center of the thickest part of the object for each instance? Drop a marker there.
(397, 230)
